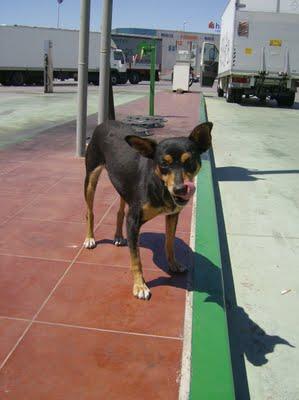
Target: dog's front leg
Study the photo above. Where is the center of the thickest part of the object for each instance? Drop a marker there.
(171, 224)
(140, 290)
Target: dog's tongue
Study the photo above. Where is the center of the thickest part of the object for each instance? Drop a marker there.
(190, 190)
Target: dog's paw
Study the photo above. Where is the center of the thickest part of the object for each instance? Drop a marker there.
(119, 241)
(177, 268)
(89, 243)
(141, 291)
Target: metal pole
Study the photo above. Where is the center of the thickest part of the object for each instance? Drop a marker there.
(153, 79)
(105, 61)
(278, 6)
(58, 11)
(83, 78)
(48, 67)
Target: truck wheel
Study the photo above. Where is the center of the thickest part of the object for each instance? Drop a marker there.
(220, 92)
(230, 95)
(238, 96)
(17, 78)
(262, 99)
(134, 78)
(286, 101)
(114, 78)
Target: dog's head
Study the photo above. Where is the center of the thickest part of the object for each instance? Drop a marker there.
(176, 160)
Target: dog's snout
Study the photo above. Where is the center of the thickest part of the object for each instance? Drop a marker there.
(180, 190)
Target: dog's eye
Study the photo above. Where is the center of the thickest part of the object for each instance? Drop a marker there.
(164, 167)
(190, 165)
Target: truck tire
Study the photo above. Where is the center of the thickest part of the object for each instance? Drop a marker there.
(134, 78)
(115, 79)
(220, 92)
(238, 96)
(230, 95)
(17, 78)
(286, 101)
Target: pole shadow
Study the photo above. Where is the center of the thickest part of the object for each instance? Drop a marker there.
(239, 174)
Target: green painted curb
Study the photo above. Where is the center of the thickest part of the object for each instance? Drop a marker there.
(211, 370)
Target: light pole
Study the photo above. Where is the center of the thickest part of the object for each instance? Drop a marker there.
(58, 11)
(83, 78)
(105, 61)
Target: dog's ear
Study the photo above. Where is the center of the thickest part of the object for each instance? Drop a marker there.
(201, 135)
(146, 147)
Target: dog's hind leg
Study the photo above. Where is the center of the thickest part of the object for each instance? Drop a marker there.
(118, 237)
(90, 186)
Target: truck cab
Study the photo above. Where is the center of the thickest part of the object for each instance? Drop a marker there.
(118, 67)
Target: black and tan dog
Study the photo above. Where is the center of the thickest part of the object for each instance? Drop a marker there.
(151, 178)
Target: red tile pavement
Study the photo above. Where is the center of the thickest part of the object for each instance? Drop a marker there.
(101, 297)
(10, 332)
(55, 362)
(25, 283)
(69, 325)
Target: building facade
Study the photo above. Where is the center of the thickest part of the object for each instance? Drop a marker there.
(173, 40)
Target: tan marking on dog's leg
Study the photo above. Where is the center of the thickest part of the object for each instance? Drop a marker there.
(118, 237)
(171, 224)
(140, 290)
(89, 197)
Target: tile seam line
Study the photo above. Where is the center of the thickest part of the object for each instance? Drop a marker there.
(48, 298)
(78, 262)
(11, 170)
(35, 258)
(30, 202)
(52, 220)
(90, 328)
(83, 222)
(107, 330)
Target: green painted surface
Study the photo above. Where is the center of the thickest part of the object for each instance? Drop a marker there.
(24, 115)
(211, 372)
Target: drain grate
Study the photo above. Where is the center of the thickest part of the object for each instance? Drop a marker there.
(141, 124)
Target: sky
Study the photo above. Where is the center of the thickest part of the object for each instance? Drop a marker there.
(194, 15)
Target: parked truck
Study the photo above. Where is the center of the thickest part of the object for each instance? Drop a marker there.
(22, 55)
(259, 51)
(138, 69)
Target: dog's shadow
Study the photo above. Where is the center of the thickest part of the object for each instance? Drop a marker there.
(246, 336)
(156, 243)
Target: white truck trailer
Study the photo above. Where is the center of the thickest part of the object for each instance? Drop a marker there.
(22, 55)
(259, 51)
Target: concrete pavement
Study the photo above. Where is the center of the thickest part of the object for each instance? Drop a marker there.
(26, 111)
(256, 157)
